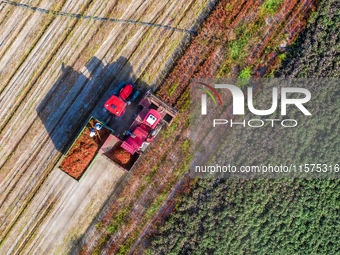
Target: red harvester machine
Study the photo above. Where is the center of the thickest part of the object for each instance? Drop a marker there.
(126, 141)
(146, 125)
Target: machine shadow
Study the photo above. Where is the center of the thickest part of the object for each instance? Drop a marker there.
(76, 96)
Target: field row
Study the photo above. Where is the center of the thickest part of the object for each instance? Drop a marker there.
(55, 72)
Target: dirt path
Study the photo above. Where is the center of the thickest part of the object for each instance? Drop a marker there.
(53, 71)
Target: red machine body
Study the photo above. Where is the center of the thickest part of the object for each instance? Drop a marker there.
(142, 131)
(125, 92)
(133, 135)
(117, 104)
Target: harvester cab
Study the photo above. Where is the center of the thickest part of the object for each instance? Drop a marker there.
(142, 131)
(117, 103)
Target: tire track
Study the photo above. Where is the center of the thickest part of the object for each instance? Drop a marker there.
(140, 54)
(7, 99)
(156, 47)
(13, 26)
(20, 167)
(40, 217)
(29, 218)
(33, 147)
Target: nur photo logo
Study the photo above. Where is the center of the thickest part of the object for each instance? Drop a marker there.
(212, 92)
(289, 96)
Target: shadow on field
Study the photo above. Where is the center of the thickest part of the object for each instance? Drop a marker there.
(76, 96)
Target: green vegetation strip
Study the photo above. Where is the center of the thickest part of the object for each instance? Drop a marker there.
(262, 216)
(246, 33)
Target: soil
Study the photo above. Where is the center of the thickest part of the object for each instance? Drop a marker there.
(84, 150)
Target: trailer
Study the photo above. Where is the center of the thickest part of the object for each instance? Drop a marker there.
(83, 151)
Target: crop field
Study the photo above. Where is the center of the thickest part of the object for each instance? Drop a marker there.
(267, 216)
(120, 231)
(58, 62)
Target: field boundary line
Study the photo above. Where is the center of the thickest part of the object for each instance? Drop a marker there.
(89, 17)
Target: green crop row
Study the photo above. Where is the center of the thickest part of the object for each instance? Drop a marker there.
(271, 216)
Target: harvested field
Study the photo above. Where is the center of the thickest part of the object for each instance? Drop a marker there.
(55, 72)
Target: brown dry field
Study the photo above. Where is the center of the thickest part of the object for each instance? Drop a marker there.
(55, 72)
